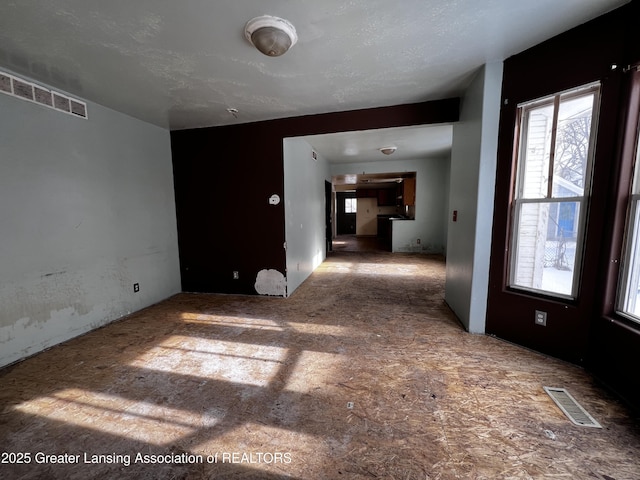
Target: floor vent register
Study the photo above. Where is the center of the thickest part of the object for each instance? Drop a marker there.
(571, 408)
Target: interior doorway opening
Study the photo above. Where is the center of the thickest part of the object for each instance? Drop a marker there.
(367, 205)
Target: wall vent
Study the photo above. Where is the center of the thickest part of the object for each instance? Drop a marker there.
(18, 87)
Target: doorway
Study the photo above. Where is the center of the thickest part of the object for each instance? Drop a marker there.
(328, 228)
(346, 208)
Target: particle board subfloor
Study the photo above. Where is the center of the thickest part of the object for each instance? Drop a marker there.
(363, 373)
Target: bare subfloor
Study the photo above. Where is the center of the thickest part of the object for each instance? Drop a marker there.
(362, 373)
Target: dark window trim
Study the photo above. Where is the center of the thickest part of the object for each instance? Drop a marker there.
(621, 195)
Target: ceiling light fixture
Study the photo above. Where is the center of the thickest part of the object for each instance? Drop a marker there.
(388, 150)
(273, 36)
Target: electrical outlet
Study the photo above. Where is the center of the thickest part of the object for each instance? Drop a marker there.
(541, 318)
(136, 287)
(236, 275)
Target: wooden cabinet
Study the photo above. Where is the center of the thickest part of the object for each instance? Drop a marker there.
(387, 197)
(404, 194)
(409, 191)
(366, 193)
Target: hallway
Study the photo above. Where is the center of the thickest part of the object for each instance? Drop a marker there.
(362, 373)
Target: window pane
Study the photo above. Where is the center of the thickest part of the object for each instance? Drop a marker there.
(629, 301)
(572, 146)
(553, 170)
(629, 289)
(350, 205)
(545, 253)
(536, 151)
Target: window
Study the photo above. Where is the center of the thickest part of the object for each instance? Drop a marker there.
(554, 158)
(350, 205)
(629, 291)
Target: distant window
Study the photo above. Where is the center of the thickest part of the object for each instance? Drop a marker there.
(350, 205)
(552, 191)
(629, 288)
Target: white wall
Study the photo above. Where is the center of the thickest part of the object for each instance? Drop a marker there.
(431, 202)
(304, 199)
(86, 209)
(472, 180)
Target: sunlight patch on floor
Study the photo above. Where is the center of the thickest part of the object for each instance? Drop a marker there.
(214, 359)
(292, 446)
(387, 269)
(390, 269)
(321, 329)
(135, 420)
(228, 321)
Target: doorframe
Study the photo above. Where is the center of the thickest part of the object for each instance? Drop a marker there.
(341, 215)
(328, 215)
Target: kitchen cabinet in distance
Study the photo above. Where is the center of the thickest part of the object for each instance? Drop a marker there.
(407, 192)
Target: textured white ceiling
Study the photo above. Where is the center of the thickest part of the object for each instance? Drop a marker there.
(428, 141)
(182, 64)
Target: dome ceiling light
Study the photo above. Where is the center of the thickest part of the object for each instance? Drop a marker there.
(273, 36)
(388, 150)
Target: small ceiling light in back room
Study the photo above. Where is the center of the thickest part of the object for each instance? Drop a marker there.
(388, 150)
(273, 36)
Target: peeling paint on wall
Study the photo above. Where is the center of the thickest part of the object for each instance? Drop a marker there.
(73, 247)
(271, 282)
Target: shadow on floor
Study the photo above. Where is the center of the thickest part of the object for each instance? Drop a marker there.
(356, 243)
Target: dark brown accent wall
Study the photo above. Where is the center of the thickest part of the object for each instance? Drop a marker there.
(586, 330)
(224, 177)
